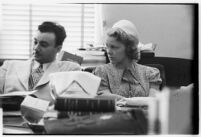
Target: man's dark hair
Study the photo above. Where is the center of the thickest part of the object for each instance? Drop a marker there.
(55, 28)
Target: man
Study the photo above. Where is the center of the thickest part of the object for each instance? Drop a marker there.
(33, 74)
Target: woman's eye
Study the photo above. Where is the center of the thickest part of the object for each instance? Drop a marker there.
(107, 45)
(113, 47)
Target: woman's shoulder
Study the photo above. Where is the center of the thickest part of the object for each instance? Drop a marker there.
(146, 68)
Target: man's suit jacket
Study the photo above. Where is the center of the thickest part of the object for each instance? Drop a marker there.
(14, 76)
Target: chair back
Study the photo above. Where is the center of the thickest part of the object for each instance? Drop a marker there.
(66, 56)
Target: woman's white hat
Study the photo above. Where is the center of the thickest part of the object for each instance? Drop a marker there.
(128, 27)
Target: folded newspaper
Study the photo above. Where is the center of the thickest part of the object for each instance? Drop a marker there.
(74, 84)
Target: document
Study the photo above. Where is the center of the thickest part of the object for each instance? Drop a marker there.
(74, 84)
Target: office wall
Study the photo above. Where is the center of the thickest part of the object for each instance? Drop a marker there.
(170, 26)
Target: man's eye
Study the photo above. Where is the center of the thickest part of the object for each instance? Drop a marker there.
(35, 42)
(43, 44)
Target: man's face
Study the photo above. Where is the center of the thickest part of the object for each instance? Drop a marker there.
(44, 48)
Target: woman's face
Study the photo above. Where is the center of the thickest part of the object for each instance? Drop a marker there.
(116, 51)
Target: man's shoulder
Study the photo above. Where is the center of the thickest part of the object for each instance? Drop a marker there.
(15, 62)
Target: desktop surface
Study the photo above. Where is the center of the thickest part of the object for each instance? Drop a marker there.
(120, 122)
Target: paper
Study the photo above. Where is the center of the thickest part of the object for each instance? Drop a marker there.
(74, 83)
(33, 109)
(18, 93)
(147, 47)
(16, 130)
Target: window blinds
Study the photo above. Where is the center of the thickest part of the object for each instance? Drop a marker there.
(20, 22)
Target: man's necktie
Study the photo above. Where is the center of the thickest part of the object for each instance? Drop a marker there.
(35, 76)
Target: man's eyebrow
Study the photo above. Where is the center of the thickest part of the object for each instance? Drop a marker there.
(43, 42)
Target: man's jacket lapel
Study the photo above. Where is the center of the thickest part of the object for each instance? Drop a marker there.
(23, 72)
(45, 78)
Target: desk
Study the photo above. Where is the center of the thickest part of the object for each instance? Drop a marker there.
(107, 123)
(15, 125)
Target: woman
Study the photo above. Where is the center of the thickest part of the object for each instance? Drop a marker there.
(123, 77)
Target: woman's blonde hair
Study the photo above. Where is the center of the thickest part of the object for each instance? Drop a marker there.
(129, 41)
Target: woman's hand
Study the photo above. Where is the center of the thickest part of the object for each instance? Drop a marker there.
(108, 94)
(153, 92)
(134, 101)
(154, 89)
(122, 102)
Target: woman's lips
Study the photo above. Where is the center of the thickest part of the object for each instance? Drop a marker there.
(110, 57)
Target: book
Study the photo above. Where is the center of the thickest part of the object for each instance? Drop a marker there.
(11, 101)
(85, 104)
(77, 114)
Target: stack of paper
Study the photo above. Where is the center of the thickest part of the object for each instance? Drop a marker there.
(149, 47)
(74, 84)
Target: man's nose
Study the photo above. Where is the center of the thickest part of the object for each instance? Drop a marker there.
(36, 47)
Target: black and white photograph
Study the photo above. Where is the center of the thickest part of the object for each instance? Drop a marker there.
(99, 68)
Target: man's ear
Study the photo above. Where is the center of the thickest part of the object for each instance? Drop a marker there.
(59, 48)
